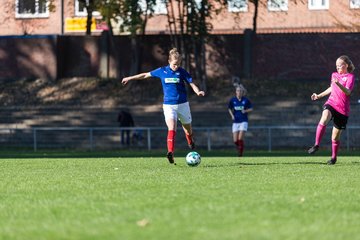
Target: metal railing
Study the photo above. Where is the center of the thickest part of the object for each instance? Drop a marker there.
(91, 138)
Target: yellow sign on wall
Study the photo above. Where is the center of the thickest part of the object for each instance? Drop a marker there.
(78, 24)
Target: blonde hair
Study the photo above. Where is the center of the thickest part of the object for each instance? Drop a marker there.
(242, 89)
(174, 55)
(347, 60)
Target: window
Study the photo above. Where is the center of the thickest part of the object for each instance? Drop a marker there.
(32, 8)
(318, 4)
(354, 3)
(238, 6)
(278, 5)
(80, 9)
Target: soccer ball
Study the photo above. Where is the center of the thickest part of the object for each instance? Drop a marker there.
(193, 159)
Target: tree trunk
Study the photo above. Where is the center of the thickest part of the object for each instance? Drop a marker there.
(256, 4)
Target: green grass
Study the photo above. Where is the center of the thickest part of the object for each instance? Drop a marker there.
(102, 196)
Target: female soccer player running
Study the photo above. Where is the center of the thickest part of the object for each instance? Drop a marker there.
(337, 107)
(239, 107)
(176, 105)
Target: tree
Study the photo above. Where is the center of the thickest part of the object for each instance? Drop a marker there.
(90, 6)
(189, 28)
(134, 15)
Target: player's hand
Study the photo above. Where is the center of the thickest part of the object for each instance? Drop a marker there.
(201, 93)
(314, 97)
(125, 80)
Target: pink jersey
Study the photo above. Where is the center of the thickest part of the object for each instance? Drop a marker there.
(338, 99)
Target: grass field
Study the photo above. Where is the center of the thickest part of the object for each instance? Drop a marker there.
(104, 196)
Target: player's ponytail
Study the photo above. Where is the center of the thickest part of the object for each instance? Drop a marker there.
(347, 60)
(242, 89)
(174, 55)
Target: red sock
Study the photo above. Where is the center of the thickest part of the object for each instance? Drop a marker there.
(241, 147)
(320, 130)
(189, 138)
(171, 140)
(335, 147)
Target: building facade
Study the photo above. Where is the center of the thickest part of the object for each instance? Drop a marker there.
(32, 17)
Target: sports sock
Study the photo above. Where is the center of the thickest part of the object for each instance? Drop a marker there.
(335, 147)
(189, 138)
(241, 147)
(320, 130)
(171, 140)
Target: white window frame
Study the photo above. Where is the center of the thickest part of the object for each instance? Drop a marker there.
(83, 13)
(354, 4)
(78, 12)
(282, 6)
(318, 4)
(238, 6)
(32, 15)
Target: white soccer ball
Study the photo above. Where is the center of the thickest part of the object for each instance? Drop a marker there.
(193, 159)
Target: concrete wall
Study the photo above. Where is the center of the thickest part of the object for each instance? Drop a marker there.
(271, 56)
(28, 57)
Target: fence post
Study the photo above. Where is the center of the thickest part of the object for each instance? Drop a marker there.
(208, 139)
(91, 139)
(347, 139)
(269, 138)
(149, 138)
(35, 140)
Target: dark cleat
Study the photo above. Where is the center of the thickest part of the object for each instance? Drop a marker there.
(170, 157)
(313, 149)
(192, 145)
(332, 161)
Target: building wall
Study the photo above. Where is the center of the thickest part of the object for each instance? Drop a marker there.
(298, 18)
(10, 25)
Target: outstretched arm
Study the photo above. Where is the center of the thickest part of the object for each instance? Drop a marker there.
(197, 90)
(136, 77)
(316, 96)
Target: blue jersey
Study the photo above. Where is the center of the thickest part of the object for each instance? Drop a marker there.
(236, 106)
(173, 84)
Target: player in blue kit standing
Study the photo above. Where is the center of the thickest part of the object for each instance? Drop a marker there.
(176, 106)
(239, 107)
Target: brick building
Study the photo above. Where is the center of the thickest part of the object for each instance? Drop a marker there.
(302, 32)
(22, 17)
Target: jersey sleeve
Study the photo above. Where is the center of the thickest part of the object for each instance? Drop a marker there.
(156, 72)
(350, 83)
(186, 76)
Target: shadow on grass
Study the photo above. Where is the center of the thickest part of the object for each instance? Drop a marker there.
(135, 153)
(262, 164)
(240, 164)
